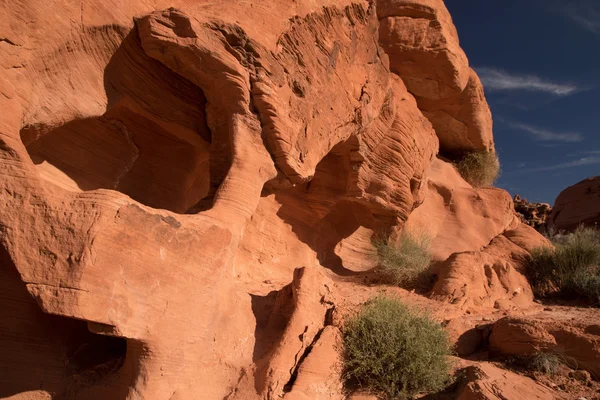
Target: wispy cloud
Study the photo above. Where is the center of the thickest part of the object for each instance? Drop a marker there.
(585, 153)
(592, 160)
(497, 79)
(585, 13)
(545, 135)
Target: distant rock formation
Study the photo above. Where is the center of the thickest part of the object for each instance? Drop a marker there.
(532, 214)
(577, 205)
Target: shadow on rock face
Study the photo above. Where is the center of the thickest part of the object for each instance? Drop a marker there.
(152, 143)
(52, 354)
(333, 217)
(263, 309)
(288, 324)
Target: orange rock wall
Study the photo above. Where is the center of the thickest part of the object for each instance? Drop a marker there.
(577, 205)
(189, 178)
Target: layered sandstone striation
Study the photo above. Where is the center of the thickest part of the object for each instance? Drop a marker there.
(184, 184)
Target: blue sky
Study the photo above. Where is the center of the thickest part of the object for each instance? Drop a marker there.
(539, 61)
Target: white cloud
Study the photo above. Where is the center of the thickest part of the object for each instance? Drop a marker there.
(586, 22)
(496, 79)
(584, 13)
(546, 135)
(593, 160)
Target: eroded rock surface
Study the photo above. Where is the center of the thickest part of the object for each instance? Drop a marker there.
(490, 277)
(487, 382)
(183, 184)
(532, 214)
(423, 46)
(570, 333)
(577, 205)
(207, 111)
(424, 50)
(458, 217)
(463, 122)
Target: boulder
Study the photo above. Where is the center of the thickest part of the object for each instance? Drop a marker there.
(573, 334)
(577, 205)
(463, 122)
(294, 328)
(485, 381)
(458, 217)
(423, 46)
(319, 375)
(490, 277)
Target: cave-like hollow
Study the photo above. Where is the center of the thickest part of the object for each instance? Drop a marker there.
(152, 143)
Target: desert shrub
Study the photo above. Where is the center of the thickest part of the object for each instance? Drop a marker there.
(393, 350)
(570, 269)
(540, 362)
(405, 263)
(551, 233)
(585, 283)
(539, 269)
(480, 168)
(544, 363)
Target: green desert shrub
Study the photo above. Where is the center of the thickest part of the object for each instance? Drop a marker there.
(405, 263)
(393, 350)
(570, 269)
(480, 168)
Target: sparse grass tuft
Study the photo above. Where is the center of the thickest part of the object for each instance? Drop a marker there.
(545, 363)
(406, 262)
(571, 269)
(480, 169)
(540, 362)
(393, 350)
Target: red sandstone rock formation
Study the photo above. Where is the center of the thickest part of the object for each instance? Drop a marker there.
(570, 333)
(532, 214)
(185, 183)
(424, 50)
(576, 205)
(457, 216)
(487, 382)
(490, 277)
